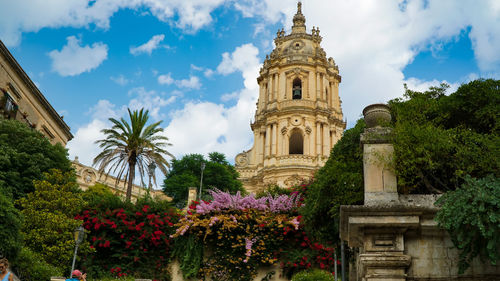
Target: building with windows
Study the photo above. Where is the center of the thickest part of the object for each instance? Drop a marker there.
(21, 99)
(299, 117)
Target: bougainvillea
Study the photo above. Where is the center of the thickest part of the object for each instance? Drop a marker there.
(240, 234)
(130, 242)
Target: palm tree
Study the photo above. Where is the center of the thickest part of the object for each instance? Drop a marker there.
(129, 145)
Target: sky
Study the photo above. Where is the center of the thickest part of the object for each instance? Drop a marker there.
(194, 63)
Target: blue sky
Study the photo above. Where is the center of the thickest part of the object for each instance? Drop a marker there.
(194, 63)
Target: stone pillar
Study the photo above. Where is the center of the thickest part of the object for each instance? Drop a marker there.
(268, 141)
(275, 86)
(318, 92)
(378, 153)
(318, 138)
(260, 147)
(326, 140)
(273, 138)
(191, 196)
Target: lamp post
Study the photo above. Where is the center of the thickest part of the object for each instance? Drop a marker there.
(201, 179)
(78, 233)
(151, 172)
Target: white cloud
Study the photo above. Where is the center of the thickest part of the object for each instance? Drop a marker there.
(203, 127)
(74, 59)
(422, 86)
(244, 59)
(83, 144)
(149, 100)
(165, 79)
(120, 80)
(18, 16)
(149, 46)
(192, 83)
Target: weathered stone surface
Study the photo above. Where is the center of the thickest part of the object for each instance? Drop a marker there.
(395, 236)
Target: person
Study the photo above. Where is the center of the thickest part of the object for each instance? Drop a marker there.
(5, 275)
(76, 275)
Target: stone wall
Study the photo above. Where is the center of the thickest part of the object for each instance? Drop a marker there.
(394, 237)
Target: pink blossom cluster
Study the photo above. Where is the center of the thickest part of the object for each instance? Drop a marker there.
(225, 201)
(248, 247)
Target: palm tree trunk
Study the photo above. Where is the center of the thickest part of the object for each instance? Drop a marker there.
(131, 176)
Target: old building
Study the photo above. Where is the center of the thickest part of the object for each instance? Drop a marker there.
(298, 117)
(87, 176)
(21, 99)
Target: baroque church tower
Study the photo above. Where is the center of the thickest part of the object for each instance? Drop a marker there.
(298, 118)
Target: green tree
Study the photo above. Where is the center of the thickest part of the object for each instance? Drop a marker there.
(471, 215)
(339, 182)
(440, 139)
(25, 154)
(186, 173)
(10, 228)
(130, 146)
(49, 214)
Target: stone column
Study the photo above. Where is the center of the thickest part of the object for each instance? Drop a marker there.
(318, 93)
(318, 138)
(273, 138)
(326, 140)
(191, 196)
(268, 141)
(378, 153)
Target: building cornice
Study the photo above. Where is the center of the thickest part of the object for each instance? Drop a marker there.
(35, 91)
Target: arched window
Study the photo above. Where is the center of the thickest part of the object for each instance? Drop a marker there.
(296, 145)
(297, 89)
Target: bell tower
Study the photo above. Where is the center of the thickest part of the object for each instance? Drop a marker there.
(298, 118)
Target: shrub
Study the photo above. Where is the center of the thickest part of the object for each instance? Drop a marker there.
(130, 241)
(31, 266)
(471, 215)
(313, 275)
(10, 228)
(238, 234)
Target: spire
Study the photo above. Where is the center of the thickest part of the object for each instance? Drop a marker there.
(299, 21)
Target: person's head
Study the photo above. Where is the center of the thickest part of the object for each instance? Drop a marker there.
(4, 264)
(76, 273)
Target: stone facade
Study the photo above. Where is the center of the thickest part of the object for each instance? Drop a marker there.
(20, 99)
(299, 117)
(87, 176)
(394, 237)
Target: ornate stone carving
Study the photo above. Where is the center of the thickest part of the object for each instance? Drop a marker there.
(308, 130)
(241, 159)
(284, 130)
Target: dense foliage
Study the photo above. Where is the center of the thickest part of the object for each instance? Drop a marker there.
(130, 146)
(48, 218)
(129, 239)
(440, 139)
(25, 154)
(313, 275)
(10, 228)
(471, 215)
(31, 266)
(339, 182)
(230, 237)
(186, 173)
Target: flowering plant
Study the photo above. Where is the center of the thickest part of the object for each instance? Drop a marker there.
(239, 234)
(130, 241)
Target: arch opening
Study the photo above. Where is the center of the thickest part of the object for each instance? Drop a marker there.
(297, 89)
(296, 143)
